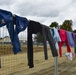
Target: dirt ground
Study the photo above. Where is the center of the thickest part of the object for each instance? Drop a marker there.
(17, 64)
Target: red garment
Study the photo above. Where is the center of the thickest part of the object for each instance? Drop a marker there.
(63, 37)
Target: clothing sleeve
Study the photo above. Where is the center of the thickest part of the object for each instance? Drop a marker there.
(68, 46)
(14, 38)
(60, 48)
(57, 35)
(30, 47)
(50, 40)
(44, 44)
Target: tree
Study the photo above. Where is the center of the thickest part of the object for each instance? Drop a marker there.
(67, 25)
(38, 38)
(74, 31)
(54, 24)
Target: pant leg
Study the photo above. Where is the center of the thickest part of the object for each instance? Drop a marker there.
(75, 50)
(14, 38)
(10, 28)
(60, 48)
(44, 43)
(51, 41)
(68, 46)
(30, 47)
(16, 44)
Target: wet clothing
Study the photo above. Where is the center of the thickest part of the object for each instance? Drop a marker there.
(34, 28)
(64, 39)
(6, 18)
(74, 37)
(70, 39)
(56, 36)
(21, 24)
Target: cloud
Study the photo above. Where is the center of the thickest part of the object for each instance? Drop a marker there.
(5, 2)
(39, 8)
(49, 8)
(43, 11)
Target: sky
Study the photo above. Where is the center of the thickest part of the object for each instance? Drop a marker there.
(43, 11)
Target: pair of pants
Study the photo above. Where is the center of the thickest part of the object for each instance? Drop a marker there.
(64, 39)
(60, 47)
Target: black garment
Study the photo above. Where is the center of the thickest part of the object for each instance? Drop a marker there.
(47, 36)
(34, 28)
(75, 50)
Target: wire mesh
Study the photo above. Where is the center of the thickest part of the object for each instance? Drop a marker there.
(9, 62)
(17, 64)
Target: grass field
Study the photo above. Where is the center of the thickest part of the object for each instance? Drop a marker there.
(17, 64)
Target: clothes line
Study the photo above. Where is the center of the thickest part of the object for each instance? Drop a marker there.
(55, 37)
(9, 20)
(33, 28)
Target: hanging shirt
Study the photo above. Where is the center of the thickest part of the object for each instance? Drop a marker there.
(70, 39)
(6, 18)
(34, 28)
(56, 36)
(63, 37)
(21, 24)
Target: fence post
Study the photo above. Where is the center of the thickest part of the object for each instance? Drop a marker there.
(0, 62)
(55, 65)
(56, 60)
(0, 46)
